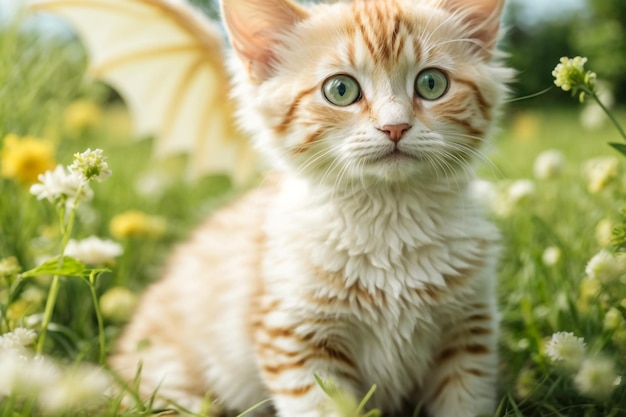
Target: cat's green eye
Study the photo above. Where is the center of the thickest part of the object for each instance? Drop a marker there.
(431, 84)
(341, 90)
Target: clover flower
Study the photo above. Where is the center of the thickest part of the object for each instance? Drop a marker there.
(25, 158)
(600, 172)
(566, 349)
(91, 165)
(597, 378)
(60, 186)
(117, 304)
(520, 191)
(9, 266)
(549, 164)
(551, 256)
(604, 232)
(570, 75)
(78, 388)
(93, 250)
(606, 267)
(613, 319)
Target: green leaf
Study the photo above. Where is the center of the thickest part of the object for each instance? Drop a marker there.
(621, 148)
(68, 267)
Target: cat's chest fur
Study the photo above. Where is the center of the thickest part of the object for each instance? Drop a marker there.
(380, 273)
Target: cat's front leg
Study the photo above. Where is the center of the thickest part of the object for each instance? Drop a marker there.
(465, 372)
(288, 358)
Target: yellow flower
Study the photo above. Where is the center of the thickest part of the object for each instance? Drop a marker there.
(134, 223)
(23, 159)
(570, 74)
(82, 114)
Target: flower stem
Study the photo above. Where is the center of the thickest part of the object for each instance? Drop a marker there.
(96, 304)
(608, 113)
(53, 293)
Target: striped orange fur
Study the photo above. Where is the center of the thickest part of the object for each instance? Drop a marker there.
(366, 260)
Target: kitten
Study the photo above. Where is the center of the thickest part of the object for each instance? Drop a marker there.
(365, 260)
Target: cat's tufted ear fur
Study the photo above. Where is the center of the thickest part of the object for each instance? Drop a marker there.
(254, 27)
(482, 18)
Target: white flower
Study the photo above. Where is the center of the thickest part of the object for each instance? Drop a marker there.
(24, 375)
(600, 172)
(60, 185)
(566, 349)
(93, 250)
(597, 378)
(18, 339)
(484, 192)
(91, 165)
(152, 184)
(80, 387)
(592, 116)
(551, 256)
(606, 267)
(520, 191)
(549, 164)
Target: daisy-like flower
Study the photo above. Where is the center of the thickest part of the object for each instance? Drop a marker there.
(549, 164)
(23, 375)
(566, 349)
(93, 250)
(606, 267)
(25, 158)
(91, 165)
(61, 186)
(17, 340)
(597, 378)
(570, 75)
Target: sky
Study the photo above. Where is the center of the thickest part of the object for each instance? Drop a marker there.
(548, 9)
(533, 10)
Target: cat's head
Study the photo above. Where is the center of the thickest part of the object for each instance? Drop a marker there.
(382, 90)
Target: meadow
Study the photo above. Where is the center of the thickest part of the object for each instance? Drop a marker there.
(560, 214)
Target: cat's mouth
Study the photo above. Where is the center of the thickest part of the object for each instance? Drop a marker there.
(393, 156)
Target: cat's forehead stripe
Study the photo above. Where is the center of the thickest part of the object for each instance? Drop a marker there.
(381, 26)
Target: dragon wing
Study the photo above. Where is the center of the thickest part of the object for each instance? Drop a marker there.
(166, 61)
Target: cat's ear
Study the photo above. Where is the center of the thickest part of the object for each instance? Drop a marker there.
(482, 17)
(254, 27)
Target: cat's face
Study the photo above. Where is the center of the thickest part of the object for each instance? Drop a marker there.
(382, 90)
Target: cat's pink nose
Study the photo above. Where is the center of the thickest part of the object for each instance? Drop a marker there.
(395, 132)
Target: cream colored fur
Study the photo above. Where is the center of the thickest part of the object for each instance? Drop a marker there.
(347, 264)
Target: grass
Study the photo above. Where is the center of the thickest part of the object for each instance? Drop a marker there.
(39, 79)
